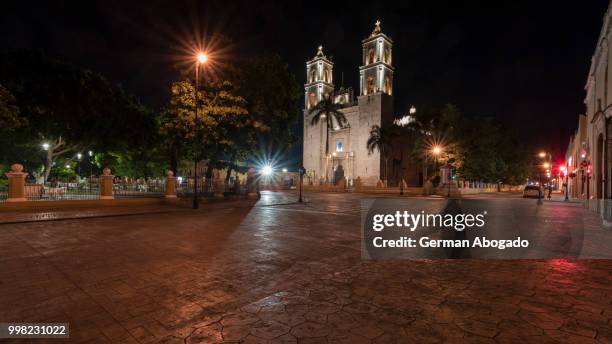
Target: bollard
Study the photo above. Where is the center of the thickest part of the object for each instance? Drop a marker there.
(170, 185)
(106, 184)
(16, 185)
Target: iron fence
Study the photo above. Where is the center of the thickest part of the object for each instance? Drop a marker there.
(139, 188)
(3, 193)
(206, 188)
(63, 190)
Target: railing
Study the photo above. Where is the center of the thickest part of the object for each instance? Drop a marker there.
(139, 188)
(90, 189)
(62, 190)
(3, 193)
(206, 188)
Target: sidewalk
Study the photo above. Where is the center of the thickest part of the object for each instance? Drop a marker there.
(36, 211)
(66, 210)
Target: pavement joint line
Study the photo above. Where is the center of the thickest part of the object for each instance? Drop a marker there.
(155, 212)
(68, 218)
(320, 212)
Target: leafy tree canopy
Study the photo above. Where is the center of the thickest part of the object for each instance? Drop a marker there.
(70, 108)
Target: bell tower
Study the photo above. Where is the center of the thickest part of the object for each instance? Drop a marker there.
(319, 79)
(376, 73)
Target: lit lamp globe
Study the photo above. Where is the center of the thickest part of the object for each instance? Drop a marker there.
(266, 170)
(202, 58)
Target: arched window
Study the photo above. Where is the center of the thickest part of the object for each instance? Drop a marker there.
(370, 88)
(371, 56)
(313, 75)
(312, 100)
(388, 56)
(387, 85)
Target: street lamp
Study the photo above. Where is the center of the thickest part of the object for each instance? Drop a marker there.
(565, 174)
(412, 110)
(546, 165)
(201, 58)
(266, 170)
(301, 170)
(79, 156)
(436, 151)
(45, 146)
(90, 153)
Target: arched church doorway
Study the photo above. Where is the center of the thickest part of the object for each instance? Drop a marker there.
(338, 173)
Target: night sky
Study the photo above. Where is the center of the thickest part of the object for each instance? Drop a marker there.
(525, 63)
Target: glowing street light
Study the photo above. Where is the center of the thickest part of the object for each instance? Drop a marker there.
(79, 156)
(436, 150)
(90, 153)
(45, 146)
(542, 155)
(266, 170)
(285, 170)
(202, 57)
(546, 165)
(412, 110)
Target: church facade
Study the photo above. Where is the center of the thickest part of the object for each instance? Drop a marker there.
(348, 155)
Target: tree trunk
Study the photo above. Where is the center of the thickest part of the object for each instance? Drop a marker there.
(228, 173)
(208, 175)
(327, 150)
(48, 164)
(386, 170)
(173, 160)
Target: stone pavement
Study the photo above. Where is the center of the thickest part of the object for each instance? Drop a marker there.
(288, 273)
(11, 213)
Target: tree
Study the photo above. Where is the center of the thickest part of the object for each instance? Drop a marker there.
(329, 111)
(381, 139)
(221, 128)
(9, 112)
(271, 94)
(68, 108)
(478, 146)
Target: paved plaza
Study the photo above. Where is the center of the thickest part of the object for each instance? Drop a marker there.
(274, 271)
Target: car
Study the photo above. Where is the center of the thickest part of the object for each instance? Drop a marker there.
(531, 191)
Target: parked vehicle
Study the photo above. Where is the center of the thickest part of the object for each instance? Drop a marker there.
(531, 191)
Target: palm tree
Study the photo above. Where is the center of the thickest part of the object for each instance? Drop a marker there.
(329, 111)
(381, 138)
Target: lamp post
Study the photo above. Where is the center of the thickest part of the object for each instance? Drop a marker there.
(201, 59)
(436, 151)
(301, 170)
(564, 170)
(449, 180)
(79, 156)
(546, 164)
(90, 153)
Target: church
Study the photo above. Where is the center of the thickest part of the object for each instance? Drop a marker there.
(348, 154)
